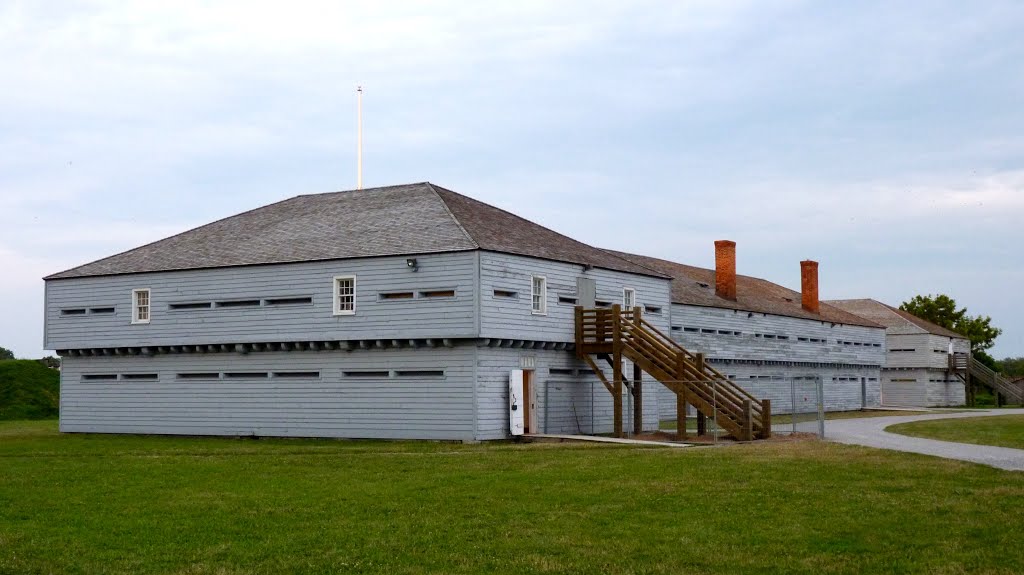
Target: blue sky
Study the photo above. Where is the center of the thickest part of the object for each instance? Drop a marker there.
(885, 140)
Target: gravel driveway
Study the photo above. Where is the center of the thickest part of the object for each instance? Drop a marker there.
(869, 431)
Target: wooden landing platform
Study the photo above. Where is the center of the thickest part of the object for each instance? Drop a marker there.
(599, 439)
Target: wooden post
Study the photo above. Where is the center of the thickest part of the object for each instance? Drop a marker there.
(681, 414)
(638, 401)
(579, 331)
(680, 397)
(748, 421)
(617, 367)
(702, 425)
(638, 381)
(766, 409)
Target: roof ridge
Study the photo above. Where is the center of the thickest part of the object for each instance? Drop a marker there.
(904, 313)
(181, 233)
(449, 212)
(361, 190)
(617, 256)
(504, 211)
(628, 265)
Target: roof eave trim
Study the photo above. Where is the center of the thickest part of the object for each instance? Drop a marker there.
(57, 276)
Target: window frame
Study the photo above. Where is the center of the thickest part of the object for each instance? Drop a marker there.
(543, 295)
(632, 292)
(135, 306)
(336, 307)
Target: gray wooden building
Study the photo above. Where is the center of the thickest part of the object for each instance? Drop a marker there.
(401, 312)
(767, 337)
(917, 363)
(393, 312)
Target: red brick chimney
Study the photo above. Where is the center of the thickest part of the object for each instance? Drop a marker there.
(725, 269)
(809, 285)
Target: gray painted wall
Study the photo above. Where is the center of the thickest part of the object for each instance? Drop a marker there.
(759, 337)
(765, 353)
(333, 405)
(921, 388)
(843, 386)
(928, 350)
(469, 402)
(512, 317)
(566, 403)
(403, 318)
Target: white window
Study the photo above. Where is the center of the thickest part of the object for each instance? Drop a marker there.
(540, 295)
(628, 298)
(344, 295)
(140, 305)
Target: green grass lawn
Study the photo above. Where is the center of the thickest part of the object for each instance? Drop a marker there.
(123, 504)
(1001, 430)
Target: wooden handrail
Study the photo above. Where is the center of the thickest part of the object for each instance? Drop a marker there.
(665, 359)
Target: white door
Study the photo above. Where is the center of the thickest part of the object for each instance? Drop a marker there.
(516, 403)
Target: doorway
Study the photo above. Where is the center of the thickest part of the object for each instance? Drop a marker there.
(529, 402)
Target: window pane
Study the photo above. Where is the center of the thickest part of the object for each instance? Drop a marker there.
(346, 294)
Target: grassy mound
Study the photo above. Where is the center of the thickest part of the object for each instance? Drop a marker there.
(28, 390)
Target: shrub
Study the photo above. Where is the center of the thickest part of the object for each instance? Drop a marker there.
(28, 390)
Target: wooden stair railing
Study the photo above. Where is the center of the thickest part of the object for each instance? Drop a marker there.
(618, 334)
(980, 373)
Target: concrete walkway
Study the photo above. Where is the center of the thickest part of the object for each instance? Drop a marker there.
(870, 432)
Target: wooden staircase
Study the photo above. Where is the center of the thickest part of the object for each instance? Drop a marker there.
(614, 334)
(973, 372)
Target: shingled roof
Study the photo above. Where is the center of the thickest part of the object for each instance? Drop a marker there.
(696, 286)
(395, 220)
(894, 319)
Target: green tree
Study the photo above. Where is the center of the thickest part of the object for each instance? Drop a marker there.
(50, 361)
(1012, 366)
(6, 353)
(942, 310)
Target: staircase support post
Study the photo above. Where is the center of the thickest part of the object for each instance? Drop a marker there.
(638, 400)
(680, 397)
(702, 422)
(579, 331)
(681, 415)
(617, 367)
(766, 418)
(638, 381)
(748, 421)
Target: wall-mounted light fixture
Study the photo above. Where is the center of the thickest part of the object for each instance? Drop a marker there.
(412, 264)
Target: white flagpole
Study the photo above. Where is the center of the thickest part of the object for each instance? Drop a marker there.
(359, 152)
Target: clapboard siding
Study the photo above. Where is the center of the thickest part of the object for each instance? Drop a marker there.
(562, 399)
(332, 405)
(418, 317)
(922, 388)
(866, 345)
(921, 354)
(945, 391)
(842, 386)
(904, 388)
(513, 318)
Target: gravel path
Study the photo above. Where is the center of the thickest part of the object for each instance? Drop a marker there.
(870, 431)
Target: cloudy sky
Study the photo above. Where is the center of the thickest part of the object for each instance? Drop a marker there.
(885, 140)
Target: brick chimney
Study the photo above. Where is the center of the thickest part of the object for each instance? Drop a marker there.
(725, 269)
(809, 285)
